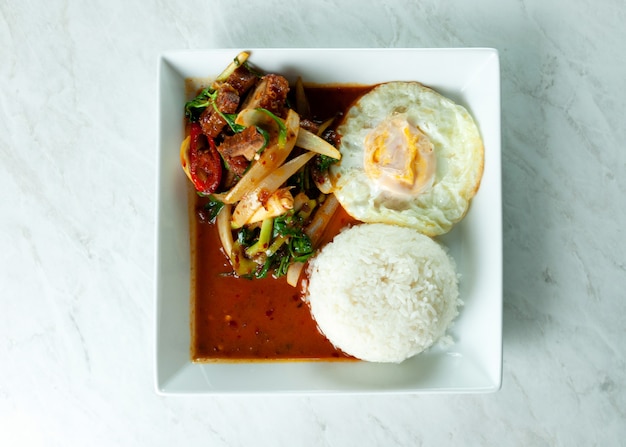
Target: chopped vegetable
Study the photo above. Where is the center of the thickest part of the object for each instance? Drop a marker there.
(243, 266)
(224, 231)
(230, 119)
(195, 107)
(325, 125)
(324, 162)
(302, 103)
(264, 240)
(201, 161)
(311, 142)
(293, 273)
(213, 207)
(321, 218)
(298, 243)
(299, 201)
(239, 60)
(255, 117)
(276, 245)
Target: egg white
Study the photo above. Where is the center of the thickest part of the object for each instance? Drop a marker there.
(434, 208)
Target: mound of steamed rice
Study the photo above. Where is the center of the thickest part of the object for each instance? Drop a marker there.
(383, 293)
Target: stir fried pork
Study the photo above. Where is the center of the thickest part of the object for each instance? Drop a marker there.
(227, 101)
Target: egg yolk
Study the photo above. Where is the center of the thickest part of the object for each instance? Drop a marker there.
(399, 157)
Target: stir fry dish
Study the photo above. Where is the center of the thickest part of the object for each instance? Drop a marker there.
(260, 160)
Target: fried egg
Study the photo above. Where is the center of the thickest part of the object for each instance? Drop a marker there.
(410, 157)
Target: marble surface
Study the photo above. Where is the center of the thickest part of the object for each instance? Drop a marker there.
(77, 181)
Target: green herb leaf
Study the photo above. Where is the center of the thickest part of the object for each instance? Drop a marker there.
(264, 270)
(323, 162)
(213, 206)
(300, 247)
(288, 224)
(282, 268)
(266, 137)
(230, 120)
(195, 107)
(245, 237)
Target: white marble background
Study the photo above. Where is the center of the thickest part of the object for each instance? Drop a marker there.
(77, 174)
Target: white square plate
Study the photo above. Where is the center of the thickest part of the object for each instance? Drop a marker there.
(471, 77)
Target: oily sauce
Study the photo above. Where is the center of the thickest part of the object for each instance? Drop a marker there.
(236, 319)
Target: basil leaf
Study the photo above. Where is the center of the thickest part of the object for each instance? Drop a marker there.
(213, 206)
(195, 107)
(323, 162)
(230, 120)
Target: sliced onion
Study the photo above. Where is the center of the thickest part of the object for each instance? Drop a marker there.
(230, 69)
(252, 201)
(302, 103)
(325, 185)
(255, 117)
(325, 125)
(322, 217)
(293, 273)
(223, 229)
(311, 142)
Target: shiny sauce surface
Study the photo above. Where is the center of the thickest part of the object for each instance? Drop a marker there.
(237, 319)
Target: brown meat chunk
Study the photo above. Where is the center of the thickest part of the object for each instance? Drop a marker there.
(237, 164)
(241, 80)
(247, 143)
(270, 93)
(227, 101)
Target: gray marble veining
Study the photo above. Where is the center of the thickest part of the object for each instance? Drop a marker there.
(77, 165)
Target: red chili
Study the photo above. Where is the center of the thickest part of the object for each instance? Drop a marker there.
(205, 163)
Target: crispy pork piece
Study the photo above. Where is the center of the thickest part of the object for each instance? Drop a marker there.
(239, 149)
(242, 80)
(270, 93)
(227, 101)
(237, 164)
(247, 143)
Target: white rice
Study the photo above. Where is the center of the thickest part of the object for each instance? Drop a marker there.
(383, 293)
